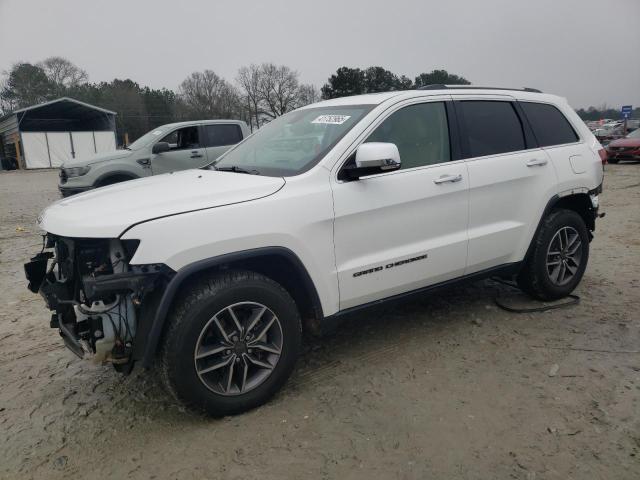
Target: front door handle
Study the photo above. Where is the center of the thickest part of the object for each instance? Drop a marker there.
(448, 179)
(537, 162)
(145, 162)
(196, 154)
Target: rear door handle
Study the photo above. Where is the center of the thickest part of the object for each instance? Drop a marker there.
(448, 179)
(537, 162)
(196, 154)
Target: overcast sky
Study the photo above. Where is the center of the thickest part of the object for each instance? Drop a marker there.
(585, 50)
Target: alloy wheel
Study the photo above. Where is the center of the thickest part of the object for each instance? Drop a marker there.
(238, 348)
(564, 256)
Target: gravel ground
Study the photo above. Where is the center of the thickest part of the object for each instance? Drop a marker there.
(443, 386)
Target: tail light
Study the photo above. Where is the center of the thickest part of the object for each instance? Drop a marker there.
(603, 155)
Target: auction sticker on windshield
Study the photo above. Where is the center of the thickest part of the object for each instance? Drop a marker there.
(332, 119)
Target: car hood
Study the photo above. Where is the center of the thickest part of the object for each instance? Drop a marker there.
(108, 211)
(625, 142)
(97, 158)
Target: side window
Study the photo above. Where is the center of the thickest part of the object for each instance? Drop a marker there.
(549, 124)
(419, 131)
(493, 127)
(221, 135)
(183, 138)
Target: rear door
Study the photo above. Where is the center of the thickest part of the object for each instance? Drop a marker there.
(571, 158)
(510, 180)
(220, 137)
(399, 231)
(187, 151)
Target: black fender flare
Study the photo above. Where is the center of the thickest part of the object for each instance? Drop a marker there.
(116, 173)
(553, 201)
(186, 272)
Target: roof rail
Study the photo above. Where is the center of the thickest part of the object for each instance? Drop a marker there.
(437, 86)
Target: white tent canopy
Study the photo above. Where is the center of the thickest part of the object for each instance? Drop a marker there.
(46, 135)
(52, 149)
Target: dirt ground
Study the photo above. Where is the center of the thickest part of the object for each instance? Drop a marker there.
(443, 386)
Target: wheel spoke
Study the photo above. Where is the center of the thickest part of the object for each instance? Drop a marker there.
(216, 320)
(554, 262)
(256, 315)
(230, 373)
(265, 329)
(571, 269)
(573, 240)
(562, 274)
(266, 348)
(216, 366)
(259, 363)
(554, 274)
(574, 249)
(210, 350)
(235, 320)
(245, 371)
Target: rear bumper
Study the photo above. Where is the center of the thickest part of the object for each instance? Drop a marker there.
(626, 153)
(622, 156)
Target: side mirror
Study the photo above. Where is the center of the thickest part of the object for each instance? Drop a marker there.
(372, 158)
(160, 147)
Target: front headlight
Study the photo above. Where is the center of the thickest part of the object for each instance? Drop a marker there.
(76, 171)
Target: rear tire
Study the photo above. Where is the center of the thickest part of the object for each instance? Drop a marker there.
(558, 258)
(242, 320)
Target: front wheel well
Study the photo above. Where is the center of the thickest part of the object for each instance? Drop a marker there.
(284, 269)
(111, 179)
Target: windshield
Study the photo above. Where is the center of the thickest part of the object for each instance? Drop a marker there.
(634, 134)
(293, 143)
(149, 137)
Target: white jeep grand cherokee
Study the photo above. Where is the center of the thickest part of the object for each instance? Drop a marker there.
(213, 273)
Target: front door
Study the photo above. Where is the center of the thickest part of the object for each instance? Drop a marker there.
(398, 231)
(187, 151)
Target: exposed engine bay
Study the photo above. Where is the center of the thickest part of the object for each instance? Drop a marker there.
(95, 295)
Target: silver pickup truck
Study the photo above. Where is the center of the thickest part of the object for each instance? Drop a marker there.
(172, 147)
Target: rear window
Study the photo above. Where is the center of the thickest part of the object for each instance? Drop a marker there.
(493, 127)
(549, 124)
(221, 135)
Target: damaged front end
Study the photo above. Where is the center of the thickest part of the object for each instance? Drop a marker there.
(100, 303)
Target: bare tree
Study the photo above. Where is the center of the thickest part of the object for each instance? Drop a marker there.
(208, 95)
(307, 93)
(270, 90)
(279, 88)
(249, 81)
(62, 73)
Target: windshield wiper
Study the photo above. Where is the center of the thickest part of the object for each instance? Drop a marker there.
(236, 169)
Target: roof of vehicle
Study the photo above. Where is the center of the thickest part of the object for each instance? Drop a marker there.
(199, 122)
(432, 90)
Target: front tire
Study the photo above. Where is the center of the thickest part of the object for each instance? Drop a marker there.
(232, 342)
(559, 256)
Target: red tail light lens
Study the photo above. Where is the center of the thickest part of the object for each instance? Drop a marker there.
(603, 155)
